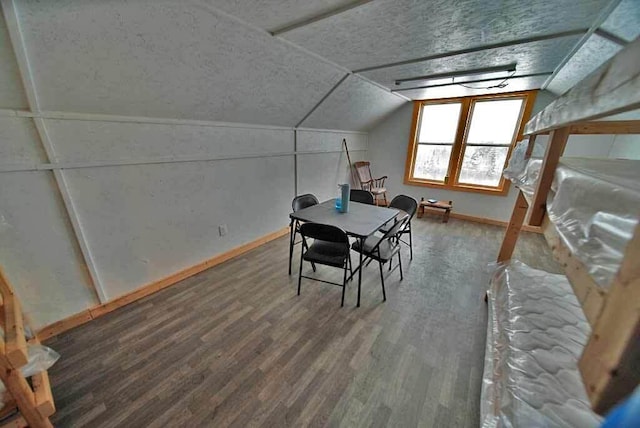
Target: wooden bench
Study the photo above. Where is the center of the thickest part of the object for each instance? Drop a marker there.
(441, 205)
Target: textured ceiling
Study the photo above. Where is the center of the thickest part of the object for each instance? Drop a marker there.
(589, 57)
(167, 59)
(354, 105)
(271, 15)
(624, 21)
(11, 93)
(386, 31)
(212, 59)
(535, 57)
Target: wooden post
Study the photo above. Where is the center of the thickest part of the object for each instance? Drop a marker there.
(609, 363)
(532, 143)
(555, 148)
(513, 230)
(21, 392)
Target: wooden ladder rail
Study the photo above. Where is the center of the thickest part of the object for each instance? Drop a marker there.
(35, 405)
(610, 361)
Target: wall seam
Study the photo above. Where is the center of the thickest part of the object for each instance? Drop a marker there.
(24, 68)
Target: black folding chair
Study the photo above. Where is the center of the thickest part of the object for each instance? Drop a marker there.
(362, 196)
(298, 203)
(382, 249)
(330, 248)
(410, 206)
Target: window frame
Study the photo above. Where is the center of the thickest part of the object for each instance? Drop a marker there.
(451, 181)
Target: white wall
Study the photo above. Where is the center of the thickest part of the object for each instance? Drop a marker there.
(625, 147)
(115, 170)
(319, 173)
(154, 215)
(388, 150)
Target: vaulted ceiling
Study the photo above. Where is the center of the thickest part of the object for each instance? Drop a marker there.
(322, 63)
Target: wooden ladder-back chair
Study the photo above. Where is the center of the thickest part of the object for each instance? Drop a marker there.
(26, 403)
(367, 182)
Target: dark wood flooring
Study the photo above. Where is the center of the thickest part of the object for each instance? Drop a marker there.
(235, 346)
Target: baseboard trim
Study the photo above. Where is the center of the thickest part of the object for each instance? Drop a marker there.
(100, 310)
(483, 220)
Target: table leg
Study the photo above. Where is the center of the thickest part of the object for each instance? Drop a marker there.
(360, 271)
(446, 216)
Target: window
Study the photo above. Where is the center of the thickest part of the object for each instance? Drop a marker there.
(464, 143)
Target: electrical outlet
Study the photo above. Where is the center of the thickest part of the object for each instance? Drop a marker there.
(222, 229)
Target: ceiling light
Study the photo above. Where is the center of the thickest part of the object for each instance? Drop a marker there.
(486, 72)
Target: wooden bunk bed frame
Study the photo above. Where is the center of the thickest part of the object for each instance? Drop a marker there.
(26, 404)
(610, 363)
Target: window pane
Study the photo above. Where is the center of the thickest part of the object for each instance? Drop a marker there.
(494, 122)
(483, 165)
(432, 162)
(439, 123)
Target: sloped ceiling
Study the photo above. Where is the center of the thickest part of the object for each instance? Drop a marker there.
(595, 51)
(167, 59)
(624, 21)
(354, 105)
(217, 60)
(531, 58)
(11, 93)
(398, 30)
(620, 27)
(272, 15)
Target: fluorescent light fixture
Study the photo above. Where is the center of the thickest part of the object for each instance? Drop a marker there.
(494, 79)
(486, 72)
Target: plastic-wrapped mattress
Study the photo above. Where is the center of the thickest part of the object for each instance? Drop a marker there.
(594, 205)
(536, 333)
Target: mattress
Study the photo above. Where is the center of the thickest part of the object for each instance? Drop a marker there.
(594, 205)
(535, 335)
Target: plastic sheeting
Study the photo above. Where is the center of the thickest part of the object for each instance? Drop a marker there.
(40, 358)
(535, 335)
(594, 205)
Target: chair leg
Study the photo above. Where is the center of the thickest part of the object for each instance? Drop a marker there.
(344, 281)
(384, 295)
(410, 242)
(300, 272)
(384, 197)
(350, 267)
(400, 264)
(292, 237)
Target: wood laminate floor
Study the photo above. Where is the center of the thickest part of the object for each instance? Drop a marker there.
(235, 346)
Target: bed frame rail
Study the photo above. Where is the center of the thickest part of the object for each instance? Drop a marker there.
(30, 404)
(610, 363)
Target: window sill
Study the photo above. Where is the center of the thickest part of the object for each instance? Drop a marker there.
(461, 188)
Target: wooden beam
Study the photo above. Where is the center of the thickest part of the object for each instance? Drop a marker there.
(25, 399)
(15, 343)
(612, 88)
(513, 229)
(530, 146)
(590, 295)
(555, 148)
(609, 363)
(606, 127)
(42, 392)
